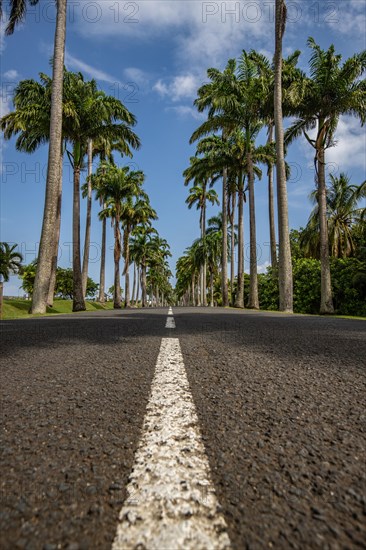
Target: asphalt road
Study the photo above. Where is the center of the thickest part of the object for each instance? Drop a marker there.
(281, 408)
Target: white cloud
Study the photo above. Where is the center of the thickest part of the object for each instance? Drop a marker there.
(6, 98)
(349, 17)
(178, 88)
(186, 111)
(12, 74)
(205, 33)
(349, 150)
(133, 74)
(2, 36)
(72, 62)
(262, 268)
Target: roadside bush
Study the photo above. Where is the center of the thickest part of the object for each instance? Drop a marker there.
(348, 282)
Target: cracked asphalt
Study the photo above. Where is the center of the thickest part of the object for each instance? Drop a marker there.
(280, 401)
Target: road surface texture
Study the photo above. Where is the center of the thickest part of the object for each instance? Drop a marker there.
(277, 422)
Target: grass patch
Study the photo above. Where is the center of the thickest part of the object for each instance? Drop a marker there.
(18, 309)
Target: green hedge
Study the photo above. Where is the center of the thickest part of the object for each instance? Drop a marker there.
(348, 282)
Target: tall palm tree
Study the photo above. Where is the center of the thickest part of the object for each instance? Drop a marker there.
(218, 97)
(88, 114)
(53, 183)
(291, 76)
(343, 214)
(117, 183)
(331, 90)
(101, 147)
(144, 248)
(10, 263)
(234, 155)
(84, 270)
(136, 209)
(284, 264)
(93, 115)
(199, 195)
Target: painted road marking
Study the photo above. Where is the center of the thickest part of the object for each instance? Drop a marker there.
(172, 502)
(170, 311)
(170, 323)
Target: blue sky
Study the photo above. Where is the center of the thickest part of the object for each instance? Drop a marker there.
(153, 55)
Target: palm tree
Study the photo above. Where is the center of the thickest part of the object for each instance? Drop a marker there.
(88, 114)
(187, 270)
(53, 183)
(30, 119)
(291, 76)
(234, 155)
(116, 184)
(343, 214)
(284, 264)
(84, 270)
(144, 247)
(159, 271)
(219, 96)
(134, 212)
(331, 90)
(199, 195)
(10, 263)
(101, 147)
(93, 115)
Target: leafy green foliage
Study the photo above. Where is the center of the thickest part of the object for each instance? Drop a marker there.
(10, 260)
(348, 280)
(64, 281)
(64, 284)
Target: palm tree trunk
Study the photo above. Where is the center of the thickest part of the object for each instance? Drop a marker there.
(88, 218)
(284, 263)
(224, 285)
(253, 287)
(272, 230)
(193, 292)
(102, 263)
(232, 266)
(133, 284)
(126, 272)
(204, 267)
(47, 241)
(326, 303)
(143, 284)
(138, 284)
(117, 257)
(78, 303)
(239, 301)
(51, 290)
(1, 296)
(211, 289)
(127, 289)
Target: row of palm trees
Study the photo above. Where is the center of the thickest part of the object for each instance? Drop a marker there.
(94, 125)
(45, 274)
(248, 96)
(120, 191)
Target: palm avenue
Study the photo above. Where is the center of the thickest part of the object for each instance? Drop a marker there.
(249, 95)
(164, 409)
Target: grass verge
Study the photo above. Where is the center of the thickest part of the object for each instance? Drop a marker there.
(18, 309)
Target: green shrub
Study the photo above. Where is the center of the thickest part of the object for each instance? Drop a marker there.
(348, 283)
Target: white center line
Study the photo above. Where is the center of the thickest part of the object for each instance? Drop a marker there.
(172, 502)
(170, 323)
(170, 311)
